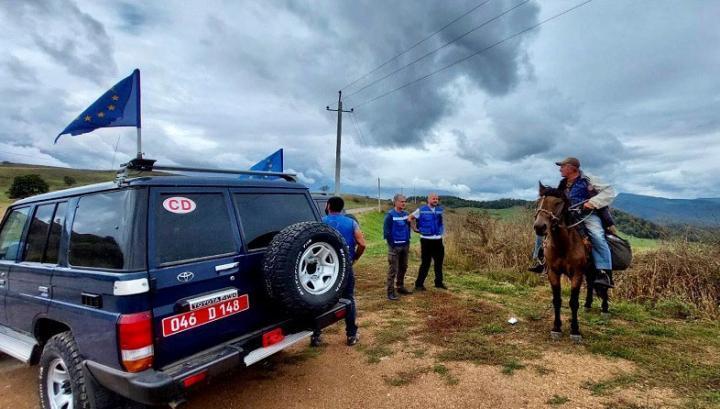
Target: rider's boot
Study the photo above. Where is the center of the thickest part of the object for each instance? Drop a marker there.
(604, 278)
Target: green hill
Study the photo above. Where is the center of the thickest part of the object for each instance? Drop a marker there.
(54, 176)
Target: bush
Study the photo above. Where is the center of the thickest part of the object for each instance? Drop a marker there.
(27, 185)
(69, 180)
(478, 241)
(675, 279)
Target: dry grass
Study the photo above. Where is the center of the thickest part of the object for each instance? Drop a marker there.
(478, 241)
(680, 276)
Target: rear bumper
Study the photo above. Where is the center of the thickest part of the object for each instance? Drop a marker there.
(154, 387)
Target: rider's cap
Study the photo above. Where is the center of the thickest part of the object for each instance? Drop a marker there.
(569, 161)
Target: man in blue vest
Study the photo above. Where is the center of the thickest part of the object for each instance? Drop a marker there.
(396, 231)
(428, 221)
(350, 231)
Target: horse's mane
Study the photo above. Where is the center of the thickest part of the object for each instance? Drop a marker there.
(554, 192)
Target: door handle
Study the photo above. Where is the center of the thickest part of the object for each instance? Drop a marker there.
(224, 267)
(44, 290)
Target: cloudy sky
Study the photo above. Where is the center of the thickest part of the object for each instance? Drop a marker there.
(629, 87)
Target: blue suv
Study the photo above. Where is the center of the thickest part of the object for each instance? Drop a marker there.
(134, 292)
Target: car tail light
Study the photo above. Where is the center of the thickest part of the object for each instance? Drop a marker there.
(135, 340)
(341, 313)
(193, 379)
(272, 337)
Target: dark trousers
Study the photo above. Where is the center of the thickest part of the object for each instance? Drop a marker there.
(431, 250)
(398, 261)
(349, 294)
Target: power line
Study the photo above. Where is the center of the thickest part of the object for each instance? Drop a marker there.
(357, 130)
(519, 33)
(416, 44)
(465, 34)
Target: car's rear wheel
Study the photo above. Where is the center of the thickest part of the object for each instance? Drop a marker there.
(63, 384)
(306, 268)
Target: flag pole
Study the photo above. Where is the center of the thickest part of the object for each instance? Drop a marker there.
(139, 121)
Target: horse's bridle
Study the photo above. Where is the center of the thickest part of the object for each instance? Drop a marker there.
(554, 219)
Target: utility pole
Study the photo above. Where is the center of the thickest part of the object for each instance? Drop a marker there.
(379, 208)
(340, 111)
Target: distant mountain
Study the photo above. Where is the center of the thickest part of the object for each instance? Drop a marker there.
(704, 212)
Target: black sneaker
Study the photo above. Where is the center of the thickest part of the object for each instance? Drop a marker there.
(538, 268)
(420, 288)
(315, 341)
(353, 340)
(441, 286)
(403, 291)
(392, 296)
(603, 279)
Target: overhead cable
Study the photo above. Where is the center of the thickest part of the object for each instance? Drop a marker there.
(517, 34)
(416, 44)
(429, 53)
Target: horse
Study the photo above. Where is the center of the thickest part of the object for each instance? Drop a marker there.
(565, 253)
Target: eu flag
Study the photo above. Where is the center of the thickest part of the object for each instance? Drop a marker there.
(273, 163)
(119, 106)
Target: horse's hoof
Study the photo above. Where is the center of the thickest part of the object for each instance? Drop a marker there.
(555, 335)
(605, 315)
(576, 338)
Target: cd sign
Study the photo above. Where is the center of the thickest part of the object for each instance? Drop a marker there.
(179, 205)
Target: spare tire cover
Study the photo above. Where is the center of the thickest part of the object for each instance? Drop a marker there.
(306, 268)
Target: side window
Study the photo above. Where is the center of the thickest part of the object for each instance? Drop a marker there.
(264, 215)
(11, 233)
(38, 233)
(53, 246)
(191, 226)
(102, 231)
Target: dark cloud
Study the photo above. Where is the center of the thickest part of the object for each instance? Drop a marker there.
(86, 50)
(133, 17)
(20, 71)
(629, 88)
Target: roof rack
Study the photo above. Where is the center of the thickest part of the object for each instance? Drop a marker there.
(148, 165)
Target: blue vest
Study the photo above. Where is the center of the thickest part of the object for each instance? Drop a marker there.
(400, 229)
(431, 223)
(346, 227)
(578, 192)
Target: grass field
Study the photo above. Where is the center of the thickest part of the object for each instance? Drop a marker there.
(666, 352)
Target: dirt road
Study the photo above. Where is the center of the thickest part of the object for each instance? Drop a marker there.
(337, 376)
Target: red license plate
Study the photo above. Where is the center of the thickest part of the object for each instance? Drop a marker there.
(193, 319)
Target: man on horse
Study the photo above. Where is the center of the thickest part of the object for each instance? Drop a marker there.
(591, 198)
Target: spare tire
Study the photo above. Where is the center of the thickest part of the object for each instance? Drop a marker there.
(306, 268)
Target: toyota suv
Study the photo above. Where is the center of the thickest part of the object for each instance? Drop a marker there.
(135, 291)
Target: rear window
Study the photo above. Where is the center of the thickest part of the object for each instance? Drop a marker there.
(263, 215)
(103, 232)
(192, 226)
(11, 232)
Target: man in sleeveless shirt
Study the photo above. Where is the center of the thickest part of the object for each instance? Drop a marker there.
(350, 231)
